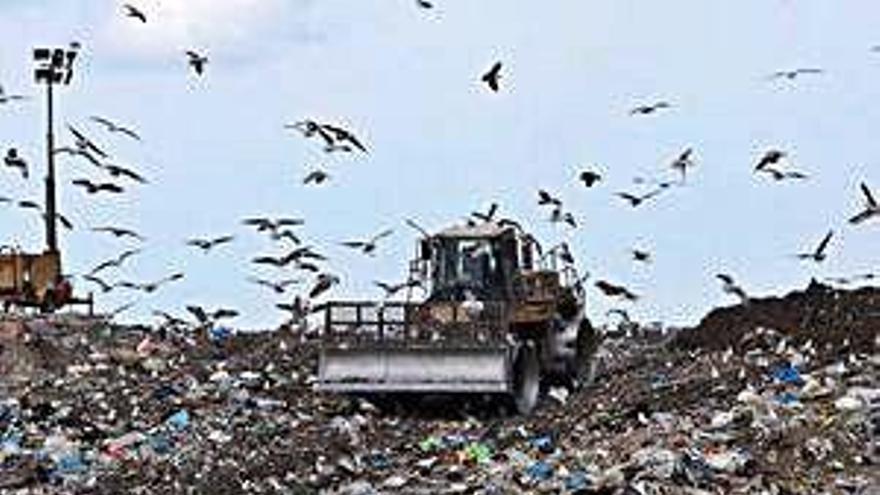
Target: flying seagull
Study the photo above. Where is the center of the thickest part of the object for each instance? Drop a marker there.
(649, 109)
(612, 290)
(425, 4)
(557, 215)
(792, 74)
(279, 287)
(150, 287)
(368, 246)
(7, 98)
(488, 216)
(93, 188)
(132, 11)
(316, 176)
(115, 262)
(119, 232)
(209, 318)
(544, 198)
(322, 284)
(639, 255)
(635, 200)
(730, 287)
(114, 127)
(492, 76)
(819, 254)
(207, 244)
(12, 159)
(589, 177)
(391, 290)
(684, 161)
(872, 208)
(770, 157)
(272, 225)
(197, 61)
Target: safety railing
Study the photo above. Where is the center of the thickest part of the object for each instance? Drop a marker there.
(405, 323)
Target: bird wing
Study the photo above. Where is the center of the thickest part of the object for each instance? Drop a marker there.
(126, 172)
(127, 254)
(351, 138)
(200, 243)
(289, 222)
(319, 287)
(872, 203)
(861, 217)
(629, 197)
(309, 267)
(381, 235)
(64, 221)
(824, 243)
(223, 239)
(95, 280)
(266, 260)
(313, 177)
(354, 244)
(130, 133)
(198, 312)
(224, 313)
(412, 223)
(727, 279)
(107, 123)
(109, 187)
(103, 265)
(651, 194)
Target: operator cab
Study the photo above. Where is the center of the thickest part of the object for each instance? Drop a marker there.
(472, 261)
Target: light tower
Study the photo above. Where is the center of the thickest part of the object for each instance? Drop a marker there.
(54, 66)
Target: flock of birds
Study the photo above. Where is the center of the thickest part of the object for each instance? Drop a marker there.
(300, 258)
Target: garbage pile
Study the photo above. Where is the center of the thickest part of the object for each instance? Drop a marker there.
(842, 320)
(87, 407)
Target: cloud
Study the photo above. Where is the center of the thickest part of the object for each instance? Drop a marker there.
(176, 25)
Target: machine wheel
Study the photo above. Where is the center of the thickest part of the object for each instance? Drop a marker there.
(586, 362)
(526, 378)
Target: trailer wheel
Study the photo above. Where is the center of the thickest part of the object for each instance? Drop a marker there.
(585, 361)
(526, 378)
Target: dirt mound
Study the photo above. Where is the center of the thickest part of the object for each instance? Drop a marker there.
(846, 320)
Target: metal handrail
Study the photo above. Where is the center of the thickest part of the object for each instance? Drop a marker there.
(409, 322)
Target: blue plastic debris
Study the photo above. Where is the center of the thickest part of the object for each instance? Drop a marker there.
(539, 471)
(544, 443)
(577, 481)
(788, 399)
(178, 420)
(70, 463)
(378, 461)
(219, 334)
(788, 374)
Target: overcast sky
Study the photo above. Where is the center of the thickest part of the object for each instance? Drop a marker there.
(407, 81)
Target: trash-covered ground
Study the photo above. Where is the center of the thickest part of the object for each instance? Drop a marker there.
(775, 397)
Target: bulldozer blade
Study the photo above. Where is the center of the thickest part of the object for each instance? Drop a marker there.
(425, 370)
